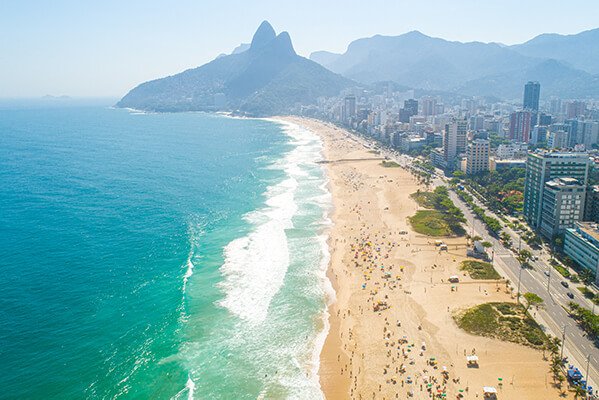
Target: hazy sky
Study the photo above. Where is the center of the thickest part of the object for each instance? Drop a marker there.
(104, 48)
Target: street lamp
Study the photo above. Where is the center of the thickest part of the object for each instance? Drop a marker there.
(519, 278)
(587, 373)
(561, 356)
(519, 243)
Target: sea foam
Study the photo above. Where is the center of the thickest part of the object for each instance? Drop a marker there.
(256, 264)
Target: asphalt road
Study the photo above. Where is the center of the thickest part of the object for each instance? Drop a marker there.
(552, 315)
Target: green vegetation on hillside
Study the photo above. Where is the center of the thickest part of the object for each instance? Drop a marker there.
(504, 321)
(267, 79)
(479, 270)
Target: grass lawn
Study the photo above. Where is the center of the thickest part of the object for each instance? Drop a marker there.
(389, 164)
(504, 321)
(431, 223)
(562, 270)
(442, 218)
(424, 199)
(479, 270)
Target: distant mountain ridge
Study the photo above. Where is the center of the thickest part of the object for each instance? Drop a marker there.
(563, 64)
(265, 79)
(580, 51)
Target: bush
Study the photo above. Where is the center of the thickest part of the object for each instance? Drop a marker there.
(479, 270)
(444, 220)
(505, 321)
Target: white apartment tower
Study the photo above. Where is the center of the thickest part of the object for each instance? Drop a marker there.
(454, 140)
(477, 158)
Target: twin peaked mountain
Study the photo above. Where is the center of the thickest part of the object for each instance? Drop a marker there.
(265, 79)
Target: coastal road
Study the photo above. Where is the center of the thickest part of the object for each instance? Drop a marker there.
(552, 316)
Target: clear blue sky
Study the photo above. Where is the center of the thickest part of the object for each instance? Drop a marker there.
(104, 48)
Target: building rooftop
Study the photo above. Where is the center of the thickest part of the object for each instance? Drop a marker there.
(558, 154)
(590, 228)
(510, 161)
(565, 181)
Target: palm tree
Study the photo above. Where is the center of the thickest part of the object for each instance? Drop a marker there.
(524, 257)
(579, 392)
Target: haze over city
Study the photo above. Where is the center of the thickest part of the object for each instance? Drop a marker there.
(104, 49)
(299, 200)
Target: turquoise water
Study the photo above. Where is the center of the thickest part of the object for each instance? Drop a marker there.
(159, 255)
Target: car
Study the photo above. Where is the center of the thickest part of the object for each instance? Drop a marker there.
(535, 258)
(547, 273)
(570, 295)
(565, 284)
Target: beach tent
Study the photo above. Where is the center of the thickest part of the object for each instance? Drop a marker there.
(489, 392)
(472, 360)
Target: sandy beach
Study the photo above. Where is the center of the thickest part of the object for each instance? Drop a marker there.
(392, 335)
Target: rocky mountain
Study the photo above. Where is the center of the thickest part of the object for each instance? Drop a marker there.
(420, 61)
(265, 79)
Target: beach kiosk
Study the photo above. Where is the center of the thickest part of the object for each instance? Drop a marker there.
(489, 392)
(472, 361)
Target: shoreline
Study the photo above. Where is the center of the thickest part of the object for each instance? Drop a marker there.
(372, 203)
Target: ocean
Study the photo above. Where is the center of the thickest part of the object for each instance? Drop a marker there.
(159, 256)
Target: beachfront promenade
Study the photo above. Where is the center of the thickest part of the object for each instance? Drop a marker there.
(394, 310)
(552, 315)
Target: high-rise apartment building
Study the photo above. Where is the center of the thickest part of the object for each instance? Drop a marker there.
(562, 205)
(542, 167)
(477, 157)
(532, 93)
(558, 140)
(581, 244)
(429, 106)
(454, 140)
(591, 204)
(520, 126)
(410, 108)
(477, 122)
(575, 109)
(349, 105)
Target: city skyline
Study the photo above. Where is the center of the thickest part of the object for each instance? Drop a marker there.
(106, 49)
